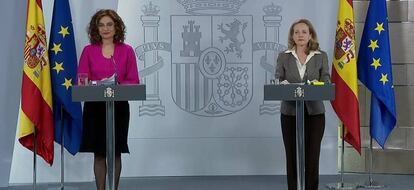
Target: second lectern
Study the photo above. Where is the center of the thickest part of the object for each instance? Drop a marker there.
(299, 93)
(109, 94)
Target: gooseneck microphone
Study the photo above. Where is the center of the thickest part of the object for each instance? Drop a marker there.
(305, 77)
(115, 68)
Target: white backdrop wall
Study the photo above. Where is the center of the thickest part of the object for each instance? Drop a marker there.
(189, 125)
(188, 140)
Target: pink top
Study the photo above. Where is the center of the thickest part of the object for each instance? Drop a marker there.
(98, 67)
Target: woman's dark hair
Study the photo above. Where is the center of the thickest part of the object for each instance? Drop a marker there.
(93, 30)
(313, 43)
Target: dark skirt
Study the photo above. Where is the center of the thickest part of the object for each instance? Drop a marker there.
(94, 127)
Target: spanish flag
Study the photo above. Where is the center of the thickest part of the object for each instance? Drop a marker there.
(36, 114)
(344, 74)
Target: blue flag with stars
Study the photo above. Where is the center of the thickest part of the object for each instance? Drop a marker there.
(375, 71)
(63, 61)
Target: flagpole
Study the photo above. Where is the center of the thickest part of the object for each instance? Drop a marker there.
(62, 155)
(371, 184)
(34, 159)
(342, 185)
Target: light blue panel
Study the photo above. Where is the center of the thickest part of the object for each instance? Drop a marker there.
(204, 156)
(179, 108)
(11, 56)
(193, 104)
(215, 156)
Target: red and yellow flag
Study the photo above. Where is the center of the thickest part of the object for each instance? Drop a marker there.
(36, 99)
(344, 74)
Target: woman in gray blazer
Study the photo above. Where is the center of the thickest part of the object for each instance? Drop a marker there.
(303, 62)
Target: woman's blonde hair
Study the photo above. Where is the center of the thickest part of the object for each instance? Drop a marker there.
(313, 43)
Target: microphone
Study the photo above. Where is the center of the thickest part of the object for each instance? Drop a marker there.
(115, 68)
(305, 77)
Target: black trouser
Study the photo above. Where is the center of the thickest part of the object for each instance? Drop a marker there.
(314, 129)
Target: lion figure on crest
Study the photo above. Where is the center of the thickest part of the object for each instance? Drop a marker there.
(232, 33)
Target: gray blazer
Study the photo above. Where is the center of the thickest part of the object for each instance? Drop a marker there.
(316, 68)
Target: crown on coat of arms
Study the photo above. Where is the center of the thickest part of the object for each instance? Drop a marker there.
(200, 7)
(150, 9)
(272, 10)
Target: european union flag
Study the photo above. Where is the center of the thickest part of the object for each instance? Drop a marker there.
(375, 71)
(63, 60)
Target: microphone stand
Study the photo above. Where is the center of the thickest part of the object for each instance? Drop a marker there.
(116, 69)
(110, 136)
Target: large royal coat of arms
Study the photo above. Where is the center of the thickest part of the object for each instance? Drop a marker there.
(211, 59)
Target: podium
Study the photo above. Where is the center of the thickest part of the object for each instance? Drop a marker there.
(109, 94)
(299, 93)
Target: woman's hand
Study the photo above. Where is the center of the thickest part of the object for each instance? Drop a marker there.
(314, 81)
(284, 82)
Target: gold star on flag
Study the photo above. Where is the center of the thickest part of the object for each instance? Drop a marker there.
(64, 31)
(373, 45)
(58, 67)
(67, 83)
(379, 27)
(376, 63)
(56, 48)
(384, 78)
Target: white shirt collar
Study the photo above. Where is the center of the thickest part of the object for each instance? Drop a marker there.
(308, 57)
(302, 68)
(293, 50)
